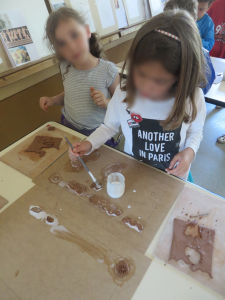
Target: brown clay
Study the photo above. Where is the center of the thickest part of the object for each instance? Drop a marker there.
(41, 142)
(122, 268)
(94, 187)
(51, 128)
(105, 205)
(55, 178)
(50, 219)
(36, 209)
(196, 237)
(133, 223)
(77, 187)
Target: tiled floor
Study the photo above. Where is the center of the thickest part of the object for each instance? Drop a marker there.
(208, 168)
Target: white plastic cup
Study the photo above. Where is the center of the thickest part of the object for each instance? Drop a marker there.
(115, 185)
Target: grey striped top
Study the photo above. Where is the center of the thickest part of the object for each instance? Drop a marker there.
(79, 108)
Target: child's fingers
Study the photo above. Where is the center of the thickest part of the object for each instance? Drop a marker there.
(173, 162)
(44, 106)
(98, 100)
(76, 147)
(180, 170)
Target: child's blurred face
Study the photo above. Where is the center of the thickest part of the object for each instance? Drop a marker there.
(152, 80)
(72, 40)
(202, 9)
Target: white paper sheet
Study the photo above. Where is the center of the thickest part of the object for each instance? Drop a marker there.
(156, 6)
(133, 8)
(121, 15)
(82, 6)
(105, 13)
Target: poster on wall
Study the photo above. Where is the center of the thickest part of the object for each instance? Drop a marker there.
(16, 38)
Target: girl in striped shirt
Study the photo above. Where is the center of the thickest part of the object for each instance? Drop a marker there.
(89, 81)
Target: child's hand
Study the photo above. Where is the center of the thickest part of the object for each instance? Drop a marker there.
(183, 161)
(79, 149)
(99, 98)
(45, 102)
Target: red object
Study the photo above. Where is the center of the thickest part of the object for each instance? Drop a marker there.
(136, 118)
(217, 13)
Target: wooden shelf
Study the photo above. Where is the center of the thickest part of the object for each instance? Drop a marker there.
(21, 72)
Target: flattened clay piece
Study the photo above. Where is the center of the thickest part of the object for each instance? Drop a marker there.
(51, 128)
(50, 219)
(55, 178)
(104, 204)
(189, 235)
(77, 187)
(41, 142)
(122, 268)
(36, 209)
(133, 223)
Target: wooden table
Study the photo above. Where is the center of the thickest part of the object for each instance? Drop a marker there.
(160, 281)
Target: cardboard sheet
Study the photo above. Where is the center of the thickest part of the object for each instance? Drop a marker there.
(206, 210)
(148, 196)
(7, 292)
(35, 261)
(31, 164)
(3, 202)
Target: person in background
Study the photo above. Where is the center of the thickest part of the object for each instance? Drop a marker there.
(192, 7)
(217, 13)
(205, 24)
(160, 107)
(89, 81)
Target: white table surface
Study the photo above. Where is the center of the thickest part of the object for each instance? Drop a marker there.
(160, 281)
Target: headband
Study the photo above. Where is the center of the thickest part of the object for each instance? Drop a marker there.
(168, 34)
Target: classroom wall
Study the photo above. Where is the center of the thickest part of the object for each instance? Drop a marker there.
(20, 113)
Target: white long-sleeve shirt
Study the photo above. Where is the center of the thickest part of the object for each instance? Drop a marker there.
(145, 138)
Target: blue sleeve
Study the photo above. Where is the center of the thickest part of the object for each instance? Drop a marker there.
(208, 37)
(209, 72)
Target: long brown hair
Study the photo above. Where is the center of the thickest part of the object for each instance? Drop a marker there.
(63, 14)
(183, 58)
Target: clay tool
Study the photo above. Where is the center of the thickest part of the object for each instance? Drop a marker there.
(97, 184)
